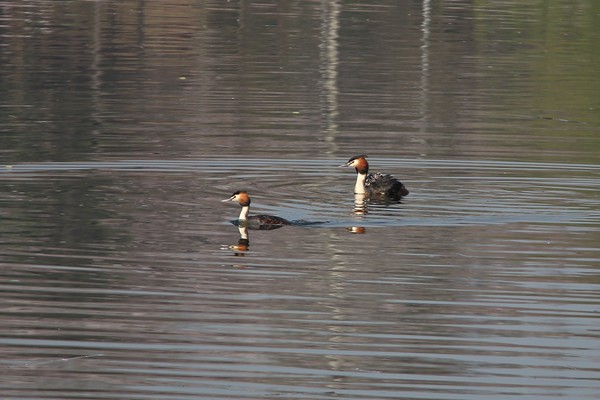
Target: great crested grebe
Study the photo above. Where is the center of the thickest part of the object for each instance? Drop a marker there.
(374, 185)
(255, 221)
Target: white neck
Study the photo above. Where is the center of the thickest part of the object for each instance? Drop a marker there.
(359, 187)
(244, 213)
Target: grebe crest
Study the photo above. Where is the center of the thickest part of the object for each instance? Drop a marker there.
(378, 185)
(265, 222)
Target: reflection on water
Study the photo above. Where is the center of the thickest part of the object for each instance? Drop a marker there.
(482, 280)
(243, 244)
(361, 208)
(360, 204)
(124, 123)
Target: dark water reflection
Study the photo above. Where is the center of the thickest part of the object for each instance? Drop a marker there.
(125, 123)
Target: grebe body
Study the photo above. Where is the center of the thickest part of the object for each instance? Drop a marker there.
(261, 221)
(378, 185)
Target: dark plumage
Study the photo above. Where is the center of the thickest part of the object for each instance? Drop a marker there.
(385, 185)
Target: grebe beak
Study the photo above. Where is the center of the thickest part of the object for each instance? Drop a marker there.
(344, 165)
(229, 199)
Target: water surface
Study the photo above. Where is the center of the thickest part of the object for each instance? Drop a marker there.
(124, 124)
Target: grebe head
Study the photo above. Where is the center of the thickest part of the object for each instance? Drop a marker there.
(241, 196)
(359, 163)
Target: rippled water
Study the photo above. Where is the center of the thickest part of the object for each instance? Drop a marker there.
(482, 282)
(124, 125)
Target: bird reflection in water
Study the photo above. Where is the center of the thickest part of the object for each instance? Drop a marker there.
(243, 244)
(360, 204)
(358, 230)
(360, 209)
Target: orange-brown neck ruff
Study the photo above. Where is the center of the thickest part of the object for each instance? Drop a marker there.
(361, 165)
(243, 198)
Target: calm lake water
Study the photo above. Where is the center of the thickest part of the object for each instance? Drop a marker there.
(124, 123)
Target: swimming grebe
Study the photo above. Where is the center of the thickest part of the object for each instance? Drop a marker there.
(255, 221)
(375, 185)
